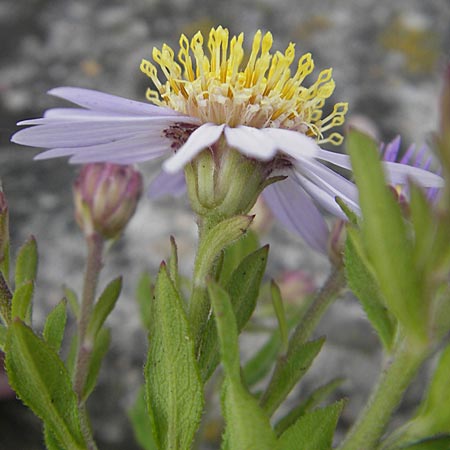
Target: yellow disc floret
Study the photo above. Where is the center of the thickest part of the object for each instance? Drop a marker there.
(219, 87)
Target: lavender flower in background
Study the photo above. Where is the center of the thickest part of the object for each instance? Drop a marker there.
(213, 103)
(417, 158)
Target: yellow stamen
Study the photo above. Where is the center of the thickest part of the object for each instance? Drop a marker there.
(263, 93)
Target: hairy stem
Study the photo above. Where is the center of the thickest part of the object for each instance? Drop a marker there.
(397, 375)
(84, 345)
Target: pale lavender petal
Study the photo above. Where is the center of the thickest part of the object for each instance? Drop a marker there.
(400, 173)
(293, 143)
(294, 209)
(204, 136)
(167, 184)
(324, 186)
(131, 147)
(99, 101)
(252, 142)
(81, 134)
(338, 159)
(397, 173)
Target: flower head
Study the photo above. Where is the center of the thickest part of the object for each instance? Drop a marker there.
(220, 89)
(105, 197)
(235, 127)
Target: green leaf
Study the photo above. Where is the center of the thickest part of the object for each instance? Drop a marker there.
(173, 387)
(50, 441)
(3, 335)
(104, 306)
(27, 262)
(101, 346)
(313, 431)
(144, 294)
(55, 325)
(215, 240)
(40, 379)
(362, 282)
(142, 426)
(5, 300)
(386, 238)
(288, 372)
(21, 302)
(247, 426)
(433, 443)
(235, 253)
(243, 289)
(280, 314)
(314, 399)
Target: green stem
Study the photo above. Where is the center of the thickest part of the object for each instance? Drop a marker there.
(273, 396)
(84, 347)
(387, 394)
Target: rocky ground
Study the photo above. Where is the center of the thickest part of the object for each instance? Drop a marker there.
(387, 57)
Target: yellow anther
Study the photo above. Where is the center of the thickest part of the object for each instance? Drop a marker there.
(216, 87)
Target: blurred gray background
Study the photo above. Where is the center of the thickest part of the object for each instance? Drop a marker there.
(387, 58)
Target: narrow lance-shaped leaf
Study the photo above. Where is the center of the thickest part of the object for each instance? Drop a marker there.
(141, 422)
(278, 306)
(5, 300)
(247, 425)
(3, 335)
(174, 390)
(27, 262)
(288, 372)
(101, 345)
(386, 238)
(243, 288)
(313, 431)
(55, 325)
(40, 379)
(104, 306)
(313, 400)
(362, 282)
(235, 253)
(21, 302)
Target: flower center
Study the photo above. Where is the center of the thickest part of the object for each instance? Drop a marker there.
(262, 92)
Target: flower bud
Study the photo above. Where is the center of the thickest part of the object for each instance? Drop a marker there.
(105, 197)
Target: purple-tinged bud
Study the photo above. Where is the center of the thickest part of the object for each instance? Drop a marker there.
(105, 197)
(295, 286)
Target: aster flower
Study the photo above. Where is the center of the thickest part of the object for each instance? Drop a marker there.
(216, 105)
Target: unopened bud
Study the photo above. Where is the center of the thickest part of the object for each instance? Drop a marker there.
(296, 285)
(105, 197)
